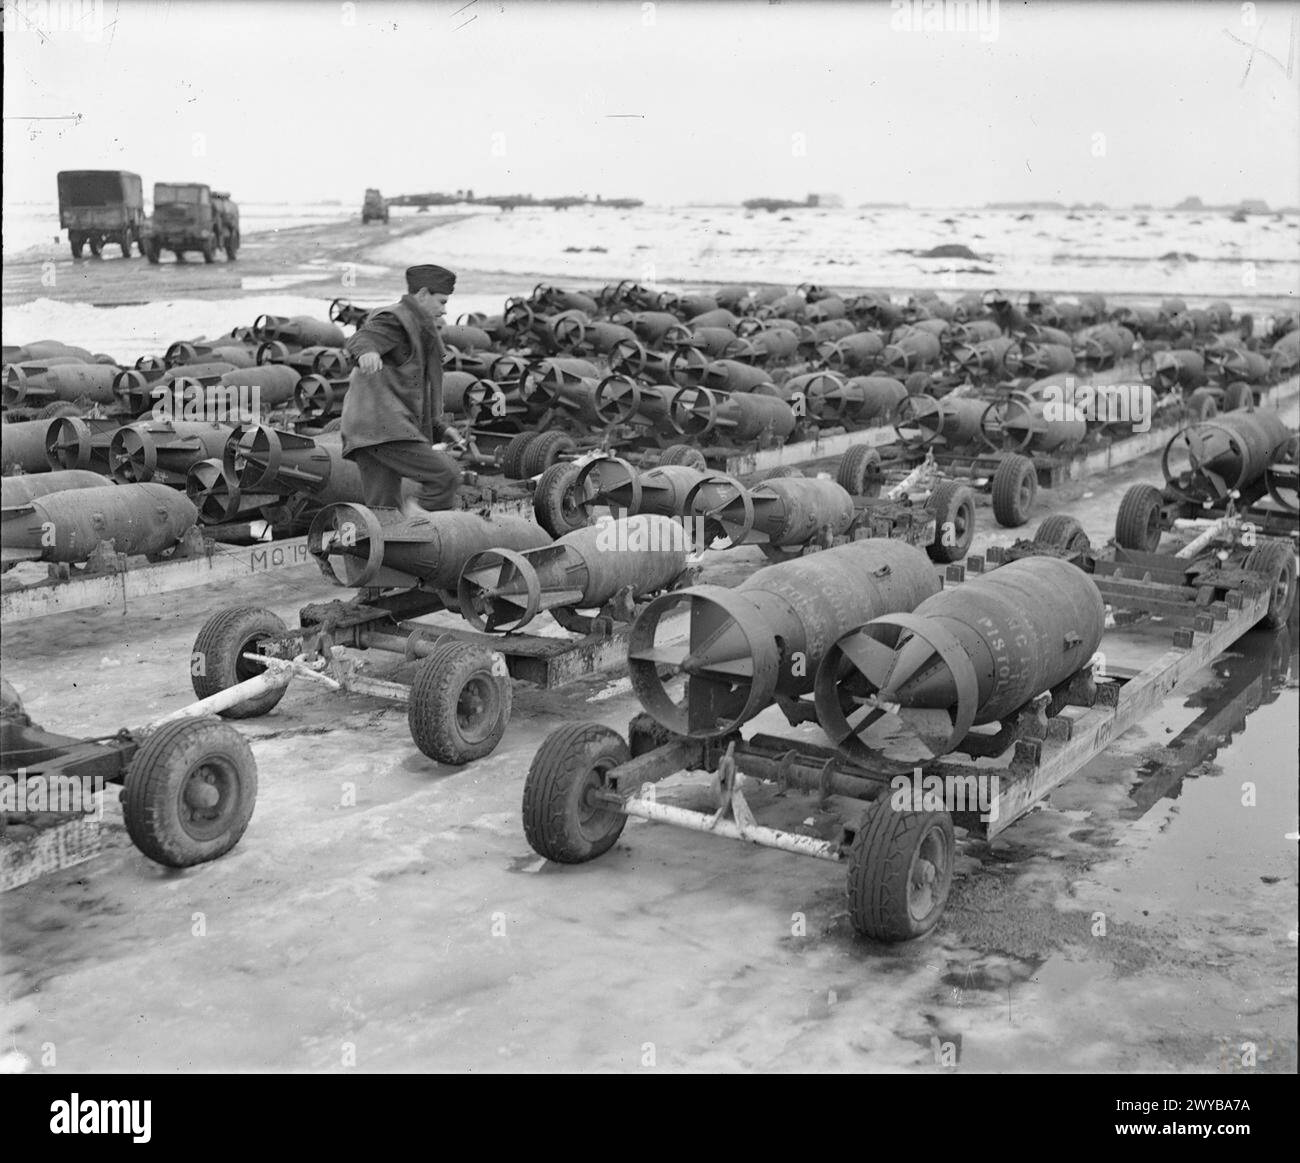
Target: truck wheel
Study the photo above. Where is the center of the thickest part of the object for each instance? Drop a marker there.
(1275, 560)
(860, 471)
(210, 250)
(232, 247)
(124, 241)
(545, 451)
(459, 707)
(953, 506)
(76, 242)
(1062, 532)
(684, 454)
(1015, 488)
(1137, 523)
(554, 504)
(512, 467)
(190, 791)
(219, 653)
(96, 246)
(561, 822)
(900, 873)
(153, 252)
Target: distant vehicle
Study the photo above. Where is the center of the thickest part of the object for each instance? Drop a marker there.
(191, 216)
(374, 207)
(99, 206)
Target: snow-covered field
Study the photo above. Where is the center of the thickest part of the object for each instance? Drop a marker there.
(1122, 251)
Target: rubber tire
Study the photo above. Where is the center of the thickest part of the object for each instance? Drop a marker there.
(221, 641)
(946, 502)
(1276, 560)
(155, 779)
(685, 454)
(549, 497)
(1137, 523)
(1009, 508)
(209, 251)
(880, 862)
(554, 787)
(124, 241)
(96, 247)
(1201, 405)
(153, 253)
(1238, 397)
(232, 247)
(512, 466)
(432, 712)
(860, 471)
(77, 244)
(545, 451)
(1062, 532)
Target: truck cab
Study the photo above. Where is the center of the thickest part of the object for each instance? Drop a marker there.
(99, 206)
(374, 206)
(189, 216)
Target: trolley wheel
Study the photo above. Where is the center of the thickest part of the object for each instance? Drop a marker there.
(1276, 561)
(459, 705)
(685, 454)
(900, 872)
(860, 471)
(219, 653)
(554, 503)
(953, 506)
(189, 792)
(1015, 487)
(512, 466)
(545, 451)
(1062, 532)
(783, 472)
(1238, 396)
(1137, 524)
(561, 821)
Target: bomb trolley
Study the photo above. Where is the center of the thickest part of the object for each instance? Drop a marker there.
(586, 781)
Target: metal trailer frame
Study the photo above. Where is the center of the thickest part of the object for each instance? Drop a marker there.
(1045, 748)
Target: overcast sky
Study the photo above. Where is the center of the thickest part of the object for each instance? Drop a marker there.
(670, 102)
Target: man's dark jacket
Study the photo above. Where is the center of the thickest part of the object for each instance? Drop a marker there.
(403, 399)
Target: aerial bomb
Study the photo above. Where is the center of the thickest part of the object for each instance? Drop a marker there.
(44, 349)
(18, 490)
(765, 638)
(973, 654)
(1229, 453)
(780, 514)
(300, 330)
(22, 445)
(68, 526)
(730, 375)
(37, 383)
(956, 421)
(1248, 366)
(740, 417)
(912, 351)
(217, 499)
(258, 459)
(1102, 345)
(1171, 369)
(1038, 359)
(197, 351)
(611, 481)
(1017, 424)
(989, 355)
(503, 590)
(76, 442)
(162, 450)
(383, 549)
(857, 352)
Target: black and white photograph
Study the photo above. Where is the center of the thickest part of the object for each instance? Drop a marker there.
(673, 537)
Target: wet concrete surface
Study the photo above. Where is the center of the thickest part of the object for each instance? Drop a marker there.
(384, 912)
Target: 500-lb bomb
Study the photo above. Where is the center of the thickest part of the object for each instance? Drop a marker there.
(765, 638)
(258, 459)
(162, 450)
(381, 548)
(18, 490)
(36, 384)
(300, 330)
(67, 526)
(973, 654)
(1230, 452)
(785, 513)
(739, 417)
(612, 481)
(504, 590)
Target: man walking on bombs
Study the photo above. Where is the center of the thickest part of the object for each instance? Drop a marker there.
(392, 414)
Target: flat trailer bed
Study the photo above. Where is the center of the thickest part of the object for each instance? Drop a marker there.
(586, 781)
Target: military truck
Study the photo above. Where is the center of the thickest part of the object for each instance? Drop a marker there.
(191, 216)
(374, 207)
(99, 206)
